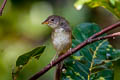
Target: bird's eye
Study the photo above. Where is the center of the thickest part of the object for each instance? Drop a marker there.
(52, 19)
(61, 23)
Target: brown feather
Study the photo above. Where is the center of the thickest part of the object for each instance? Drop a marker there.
(61, 38)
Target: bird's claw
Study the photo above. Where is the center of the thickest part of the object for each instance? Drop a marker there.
(51, 62)
(70, 49)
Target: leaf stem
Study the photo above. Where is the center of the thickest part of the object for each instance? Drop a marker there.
(93, 57)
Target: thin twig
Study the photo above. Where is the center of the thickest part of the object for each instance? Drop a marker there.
(106, 37)
(111, 27)
(86, 42)
(2, 7)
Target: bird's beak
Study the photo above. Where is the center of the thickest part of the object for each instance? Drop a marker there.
(45, 22)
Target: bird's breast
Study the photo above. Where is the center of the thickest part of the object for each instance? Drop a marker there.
(61, 39)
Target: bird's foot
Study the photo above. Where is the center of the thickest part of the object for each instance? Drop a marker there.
(70, 49)
(51, 63)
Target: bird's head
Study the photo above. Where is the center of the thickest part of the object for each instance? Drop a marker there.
(52, 21)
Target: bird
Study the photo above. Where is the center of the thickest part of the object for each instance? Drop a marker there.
(61, 38)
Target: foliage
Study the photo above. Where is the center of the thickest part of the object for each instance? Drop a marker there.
(112, 5)
(23, 59)
(92, 62)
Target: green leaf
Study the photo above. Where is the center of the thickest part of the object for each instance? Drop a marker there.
(112, 2)
(116, 65)
(85, 30)
(92, 62)
(79, 3)
(25, 58)
(111, 5)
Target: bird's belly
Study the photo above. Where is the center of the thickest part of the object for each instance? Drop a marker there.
(61, 41)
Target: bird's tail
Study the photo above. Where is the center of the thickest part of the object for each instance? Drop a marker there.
(58, 70)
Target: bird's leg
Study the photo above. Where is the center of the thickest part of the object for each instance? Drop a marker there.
(53, 58)
(70, 50)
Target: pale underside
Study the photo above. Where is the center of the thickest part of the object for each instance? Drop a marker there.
(61, 40)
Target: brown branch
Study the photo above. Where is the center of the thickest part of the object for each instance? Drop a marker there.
(2, 7)
(106, 37)
(49, 66)
(86, 42)
(111, 27)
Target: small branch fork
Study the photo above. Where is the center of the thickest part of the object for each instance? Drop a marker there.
(2, 7)
(81, 45)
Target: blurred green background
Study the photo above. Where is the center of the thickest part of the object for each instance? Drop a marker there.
(21, 31)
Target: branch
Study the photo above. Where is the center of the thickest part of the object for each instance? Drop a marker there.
(70, 52)
(111, 27)
(86, 42)
(2, 7)
(105, 37)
